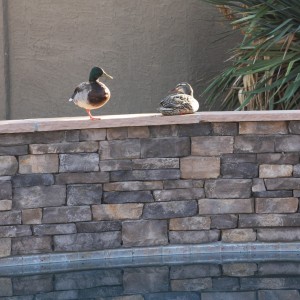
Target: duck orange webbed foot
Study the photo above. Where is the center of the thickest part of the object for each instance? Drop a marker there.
(90, 115)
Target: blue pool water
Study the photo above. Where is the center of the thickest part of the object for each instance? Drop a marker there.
(203, 277)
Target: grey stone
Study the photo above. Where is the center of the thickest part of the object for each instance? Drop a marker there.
(165, 174)
(32, 179)
(224, 221)
(89, 177)
(289, 143)
(119, 133)
(171, 296)
(239, 170)
(10, 217)
(254, 144)
(86, 227)
(190, 223)
(212, 145)
(258, 185)
(83, 279)
(98, 292)
(278, 158)
(34, 284)
(64, 147)
(132, 186)
(146, 279)
(282, 184)
(60, 295)
(15, 231)
(8, 165)
(120, 149)
(5, 247)
(155, 163)
(259, 283)
(278, 295)
(127, 197)
(5, 205)
(79, 162)
(144, 233)
(92, 134)
(237, 158)
(194, 271)
(183, 184)
(279, 268)
(163, 131)
(296, 172)
(228, 188)
(165, 147)
(54, 229)
(278, 235)
(84, 194)
(225, 128)
(276, 205)
(225, 284)
(273, 194)
(194, 237)
(225, 206)
(65, 214)
(116, 165)
(228, 295)
(87, 241)
(14, 150)
(167, 210)
(5, 190)
(39, 196)
(178, 194)
(31, 245)
(6, 288)
(194, 284)
(294, 127)
(194, 129)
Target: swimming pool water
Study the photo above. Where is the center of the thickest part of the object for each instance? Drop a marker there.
(234, 277)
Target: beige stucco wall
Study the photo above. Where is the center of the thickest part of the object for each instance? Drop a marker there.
(148, 46)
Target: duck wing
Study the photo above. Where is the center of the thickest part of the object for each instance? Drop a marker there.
(82, 88)
(177, 104)
(99, 93)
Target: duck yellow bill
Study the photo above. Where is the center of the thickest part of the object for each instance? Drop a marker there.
(108, 76)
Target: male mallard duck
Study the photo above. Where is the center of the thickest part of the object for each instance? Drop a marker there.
(92, 94)
(181, 101)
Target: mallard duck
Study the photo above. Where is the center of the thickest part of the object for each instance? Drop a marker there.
(92, 94)
(180, 101)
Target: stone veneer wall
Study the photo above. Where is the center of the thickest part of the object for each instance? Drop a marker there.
(107, 188)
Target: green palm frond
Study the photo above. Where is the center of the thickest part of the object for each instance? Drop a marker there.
(265, 70)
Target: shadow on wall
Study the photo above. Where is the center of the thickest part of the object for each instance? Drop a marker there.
(147, 46)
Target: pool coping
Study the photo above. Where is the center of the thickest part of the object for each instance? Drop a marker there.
(147, 119)
(161, 251)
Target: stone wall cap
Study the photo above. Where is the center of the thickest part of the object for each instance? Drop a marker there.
(149, 119)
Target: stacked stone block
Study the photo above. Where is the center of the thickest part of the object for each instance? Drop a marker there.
(94, 189)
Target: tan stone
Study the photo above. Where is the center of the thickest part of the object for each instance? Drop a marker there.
(190, 223)
(193, 167)
(138, 132)
(212, 145)
(5, 247)
(274, 171)
(32, 216)
(5, 205)
(117, 211)
(47, 163)
(278, 127)
(276, 205)
(238, 235)
(239, 269)
(117, 133)
(225, 206)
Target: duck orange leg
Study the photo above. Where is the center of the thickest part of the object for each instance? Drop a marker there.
(90, 115)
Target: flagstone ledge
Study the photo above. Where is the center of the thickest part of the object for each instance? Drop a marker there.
(149, 119)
